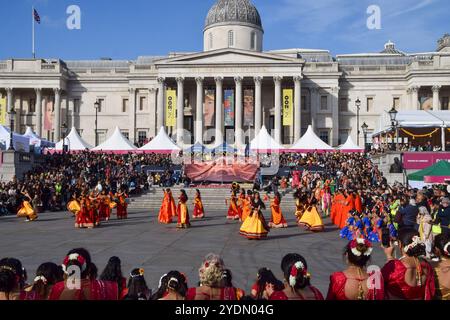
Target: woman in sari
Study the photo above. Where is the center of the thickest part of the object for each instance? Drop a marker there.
(47, 275)
(268, 287)
(74, 205)
(12, 279)
(113, 273)
(199, 211)
(137, 288)
(277, 220)
(442, 268)
(348, 205)
(326, 200)
(26, 210)
(247, 205)
(255, 227)
(89, 288)
(94, 216)
(168, 209)
(353, 282)
(122, 205)
(410, 277)
(173, 286)
(310, 218)
(104, 209)
(297, 280)
(240, 202)
(182, 211)
(82, 216)
(233, 211)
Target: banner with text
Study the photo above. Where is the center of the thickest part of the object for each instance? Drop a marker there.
(228, 107)
(288, 107)
(422, 160)
(2, 111)
(48, 119)
(209, 107)
(171, 108)
(249, 108)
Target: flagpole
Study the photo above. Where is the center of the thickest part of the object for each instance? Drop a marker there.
(32, 23)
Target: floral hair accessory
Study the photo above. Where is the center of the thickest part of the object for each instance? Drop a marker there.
(40, 278)
(296, 268)
(354, 247)
(160, 280)
(74, 257)
(415, 242)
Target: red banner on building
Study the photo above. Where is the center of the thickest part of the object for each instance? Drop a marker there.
(221, 172)
(422, 160)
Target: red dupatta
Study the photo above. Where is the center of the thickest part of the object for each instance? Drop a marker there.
(97, 290)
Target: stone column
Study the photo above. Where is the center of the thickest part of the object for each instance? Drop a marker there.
(180, 110)
(160, 104)
(71, 113)
(239, 114)
(258, 104)
(9, 104)
(219, 110)
(199, 111)
(297, 108)
(415, 98)
(152, 116)
(335, 116)
(132, 114)
(277, 80)
(57, 126)
(38, 111)
(436, 103)
(315, 105)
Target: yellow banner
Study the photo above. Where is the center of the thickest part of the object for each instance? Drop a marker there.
(171, 108)
(2, 111)
(288, 107)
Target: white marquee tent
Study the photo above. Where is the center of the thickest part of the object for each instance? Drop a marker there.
(117, 143)
(161, 144)
(36, 141)
(20, 143)
(350, 146)
(310, 142)
(74, 142)
(263, 142)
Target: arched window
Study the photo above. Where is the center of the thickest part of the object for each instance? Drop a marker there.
(210, 40)
(230, 38)
(253, 41)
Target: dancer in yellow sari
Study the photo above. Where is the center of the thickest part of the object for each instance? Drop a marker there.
(182, 210)
(26, 209)
(74, 205)
(310, 218)
(255, 226)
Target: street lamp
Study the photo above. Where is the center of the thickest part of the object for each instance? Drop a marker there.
(12, 114)
(358, 107)
(96, 106)
(64, 132)
(393, 115)
(364, 128)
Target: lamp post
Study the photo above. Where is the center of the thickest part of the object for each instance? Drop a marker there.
(364, 129)
(64, 132)
(358, 107)
(12, 114)
(96, 106)
(393, 115)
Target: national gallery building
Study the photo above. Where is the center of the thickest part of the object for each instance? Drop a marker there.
(226, 92)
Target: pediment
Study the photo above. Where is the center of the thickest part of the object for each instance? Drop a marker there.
(229, 56)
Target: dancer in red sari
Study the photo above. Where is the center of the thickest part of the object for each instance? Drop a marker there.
(88, 289)
(81, 218)
(104, 208)
(233, 211)
(410, 277)
(182, 211)
(168, 209)
(199, 211)
(277, 219)
(122, 205)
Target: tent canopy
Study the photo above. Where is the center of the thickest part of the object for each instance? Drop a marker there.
(310, 142)
(20, 143)
(161, 144)
(440, 169)
(117, 143)
(263, 142)
(224, 147)
(74, 142)
(350, 146)
(35, 140)
(197, 148)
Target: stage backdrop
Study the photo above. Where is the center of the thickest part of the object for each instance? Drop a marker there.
(228, 108)
(209, 107)
(171, 108)
(248, 108)
(3, 111)
(422, 160)
(220, 172)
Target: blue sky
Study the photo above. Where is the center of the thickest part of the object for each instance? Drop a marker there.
(125, 29)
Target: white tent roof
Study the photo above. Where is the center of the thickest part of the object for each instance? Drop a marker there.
(161, 143)
(34, 138)
(74, 142)
(350, 146)
(20, 143)
(117, 142)
(310, 142)
(264, 142)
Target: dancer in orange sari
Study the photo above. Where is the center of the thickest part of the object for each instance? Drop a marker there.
(348, 206)
(182, 211)
(199, 211)
(168, 209)
(233, 211)
(336, 207)
(122, 205)
(277, 220)
(247, 205)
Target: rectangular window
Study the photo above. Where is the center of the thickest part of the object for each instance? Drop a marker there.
(343, 104)
(142, 137)
(304, 103)
(32, 106)
(396, 103)
(76, 106)
(444, 103)
(142, 103)
(125, 133)
(324, 103)
(124, 105)
(324, 136)
(101, 105)
(369, 104)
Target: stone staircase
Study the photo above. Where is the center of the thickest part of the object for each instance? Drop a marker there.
(213, 199)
